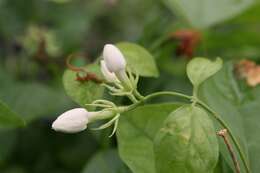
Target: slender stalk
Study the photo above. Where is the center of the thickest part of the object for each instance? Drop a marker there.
(123, 78)
(223, 134)
(132, 98)
(171, 93)
(156, 94)
(223, 124)
(138, 95)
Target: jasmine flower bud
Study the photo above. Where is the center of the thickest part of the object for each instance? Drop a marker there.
(110, 77)
(114, 59)
(72, 121)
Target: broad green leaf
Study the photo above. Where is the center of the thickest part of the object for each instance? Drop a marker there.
(34, 100)
(135, 135)
(205, 13)
(105, 161)
(200, 69)
(223, 95)
(8, 118)
(86, 91)
(187, 142)
(139, 59)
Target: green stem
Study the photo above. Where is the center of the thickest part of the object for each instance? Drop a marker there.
(123, 78)
(100, 115)
(171, 93)
(156, 94)
(132, 98)
(222, 122)
(138, 95)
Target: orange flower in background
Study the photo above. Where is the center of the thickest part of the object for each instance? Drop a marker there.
(250, 71)
(188, 39)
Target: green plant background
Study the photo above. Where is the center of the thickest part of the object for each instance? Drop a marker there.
(34, 91)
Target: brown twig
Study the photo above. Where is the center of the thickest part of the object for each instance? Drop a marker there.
(223, 133)
(72, 67)
(88, 76)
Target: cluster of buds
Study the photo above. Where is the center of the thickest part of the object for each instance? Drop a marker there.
(113, 67)
(120, 82)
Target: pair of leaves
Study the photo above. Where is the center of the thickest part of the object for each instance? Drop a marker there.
(205, 13)
(155, 139)
(139, 60)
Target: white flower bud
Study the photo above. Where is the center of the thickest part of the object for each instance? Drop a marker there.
(114, 59)
(72, 121)
(110, 77)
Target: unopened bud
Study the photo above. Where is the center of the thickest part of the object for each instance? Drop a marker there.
(114, 59)
(110, 77)
(72, 121)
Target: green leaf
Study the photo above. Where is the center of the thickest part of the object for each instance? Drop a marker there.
(105, 161)
(200, 69)
(60, 1)
(86, 91)
(187, 142)
(44, 102)
(223, 95)
(204, 13)
(7, 143)
(222, 166)
(135, 135)
(250, 113)
(32, 100)
(139, 59)
(8, 118)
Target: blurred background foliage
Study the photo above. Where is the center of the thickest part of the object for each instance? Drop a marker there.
(36, 37)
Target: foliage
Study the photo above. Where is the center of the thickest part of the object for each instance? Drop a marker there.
(86, 91)
(9, 118)
(136, 136)
(105, 161)
(187, 142)
(237, 106)
(139, 60)
(36, 37)
(202, 14)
